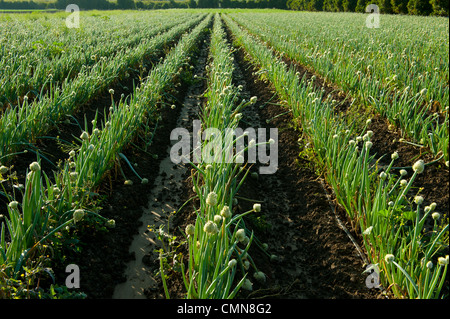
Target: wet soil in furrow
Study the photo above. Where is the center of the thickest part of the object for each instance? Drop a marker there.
(165, 210)
(314, 257)
(102, 255)
(107, 257)
(54, 147)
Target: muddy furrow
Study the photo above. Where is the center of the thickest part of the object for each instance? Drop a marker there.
(54, 147)
(309, 256)
(166, 197)
(433, 183)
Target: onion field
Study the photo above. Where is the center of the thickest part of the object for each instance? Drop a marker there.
(223, 154)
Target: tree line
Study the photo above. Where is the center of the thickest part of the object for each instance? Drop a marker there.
(415, 7)
(137, 4)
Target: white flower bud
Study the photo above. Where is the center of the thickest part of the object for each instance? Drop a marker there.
(190, 230)
(418, 200)
(247, 285)
(84, 136)
(232, 263)
(443, 261)
(257, 208)
(419, 166)
(436, 216)
(35, 167)
(3, 169)
(217, 219)
(394, 155)
(368, 230)
(111, 223)
(225, 212)
(211, 199)
(78, 215)
(240, 235)
(389, 258)
(210, 228)
(260, 276)
(13, 205)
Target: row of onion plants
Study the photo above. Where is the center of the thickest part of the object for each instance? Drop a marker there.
(23, 124)
(414, 98)
(391, 223)
(31, 53)
(219, 241)
(49, 207)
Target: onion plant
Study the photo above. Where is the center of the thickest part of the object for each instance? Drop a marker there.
(29, 57)
(377, 203)
(65, 200)
(24, 123)
(218, 241)
(382, 69)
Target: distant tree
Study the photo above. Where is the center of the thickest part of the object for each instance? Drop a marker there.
(361, 5)
(384, 5)
(349, 5)
(440, 7)
(337, 6)
(192, 4)
(420, 7)
(125, 4)
(328, 5)
(399, 6)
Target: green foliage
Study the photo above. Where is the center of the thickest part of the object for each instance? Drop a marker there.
(440, 7)
(416, 7)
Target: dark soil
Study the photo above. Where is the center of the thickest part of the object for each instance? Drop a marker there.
(315, 257)
(433, 183)
(100, 255)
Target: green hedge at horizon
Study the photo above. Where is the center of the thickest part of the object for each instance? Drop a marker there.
(413, 7)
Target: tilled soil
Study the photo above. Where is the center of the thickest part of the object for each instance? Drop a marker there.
(315, 257)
